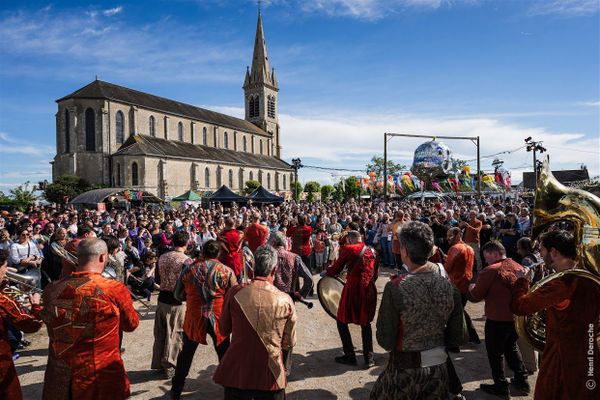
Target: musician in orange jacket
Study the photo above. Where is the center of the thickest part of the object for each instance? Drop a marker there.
(256, 234)
(84, 314)
(29, 322)
(359, 296)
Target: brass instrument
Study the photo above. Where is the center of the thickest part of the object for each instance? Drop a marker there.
(555, 202)
(24, 285)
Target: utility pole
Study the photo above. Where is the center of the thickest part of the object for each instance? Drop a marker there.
(296, 164)
(384, 169)
(535, 146)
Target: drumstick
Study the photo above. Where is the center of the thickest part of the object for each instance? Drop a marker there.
(308, 304)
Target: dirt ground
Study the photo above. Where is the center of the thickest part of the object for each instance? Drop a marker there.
(315, 375)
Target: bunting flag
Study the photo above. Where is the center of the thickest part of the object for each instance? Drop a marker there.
(473, 182)
(467, 170)
(437, 186)
(507, 180)
(408, 182)
(416, 181)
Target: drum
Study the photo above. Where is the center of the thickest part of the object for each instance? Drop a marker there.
(329, 290)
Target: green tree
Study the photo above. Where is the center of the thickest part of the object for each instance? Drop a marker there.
(311, 188)
(376, 165)
(457, 164)
(296, 188)
(339, 195)
(251, 186)
(326, 192)
(352, 190)
(66, 186)
(23, 195)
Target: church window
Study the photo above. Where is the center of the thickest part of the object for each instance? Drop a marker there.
(260, 177)
(219, 177)
(204, 136)
(271, 107)
(225, 140)
(251, 176)
(268, 180)
(256, 107)
(251, 107)
(90, 130)
(118, 177)
(67, 132)
(230, 179)
(235, 141)
(284, 182)
(216, 137)
(134, 174)
(152, 126)
(180, 132)
(120, 128)
(260, 146)
(245, 143)
(207, 178)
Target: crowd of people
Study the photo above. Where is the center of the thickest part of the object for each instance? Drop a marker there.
(233, 273)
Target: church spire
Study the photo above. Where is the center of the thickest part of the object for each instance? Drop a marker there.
(260, 72)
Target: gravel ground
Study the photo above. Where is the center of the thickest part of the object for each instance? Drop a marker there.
(314, 373)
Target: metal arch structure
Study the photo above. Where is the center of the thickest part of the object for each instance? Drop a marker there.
(387, 136)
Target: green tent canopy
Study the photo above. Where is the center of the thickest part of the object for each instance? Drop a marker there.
(190, 195)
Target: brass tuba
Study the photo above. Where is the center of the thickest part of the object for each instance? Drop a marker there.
(555, 202)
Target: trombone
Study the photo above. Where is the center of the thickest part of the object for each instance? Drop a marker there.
(24, 285)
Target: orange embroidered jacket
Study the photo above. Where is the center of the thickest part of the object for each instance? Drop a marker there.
(11, 311)
(85, 313)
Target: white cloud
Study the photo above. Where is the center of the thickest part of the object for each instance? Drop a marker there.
(8, 145)
(369, 9)
(595, 104)
(112, 11)
(570, 8)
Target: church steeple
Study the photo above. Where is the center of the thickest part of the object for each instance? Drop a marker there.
(260, 91)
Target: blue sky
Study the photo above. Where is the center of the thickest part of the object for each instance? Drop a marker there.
(348, 70)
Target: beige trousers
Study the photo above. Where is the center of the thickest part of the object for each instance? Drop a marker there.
(168, 335)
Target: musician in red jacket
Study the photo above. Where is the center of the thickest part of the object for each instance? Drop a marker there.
(13, 312)
(300, 235)
(359, 297)
(232, 240)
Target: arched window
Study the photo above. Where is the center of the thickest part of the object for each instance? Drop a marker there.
(284, 182)
(119, 121)
(271, 106)
(206, 178)
(204, 136)
(90, 130)
(193, 177)
(250, 176)
(118, 177)
(180, 132)
(251, 107)
(231, 179)
(260, 174)
(260, 146)
(225, 140)
(152, 126)
(245, 144)
(268, 180)
(134, 174)
(67, 132)
(216, 137)
(256, 107)
(219, 176)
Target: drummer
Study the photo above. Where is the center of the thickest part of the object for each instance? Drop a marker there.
(359, 297)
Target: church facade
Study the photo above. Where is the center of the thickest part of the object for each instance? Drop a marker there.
(120, 137)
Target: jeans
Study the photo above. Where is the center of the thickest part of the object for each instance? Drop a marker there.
(367, 340)
(386, 252)
(501, 341)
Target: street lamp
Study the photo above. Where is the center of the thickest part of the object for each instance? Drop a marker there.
(296, 164)
(534, 146)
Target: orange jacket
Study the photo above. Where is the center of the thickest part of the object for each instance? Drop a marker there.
(459, 265)
(84, 314)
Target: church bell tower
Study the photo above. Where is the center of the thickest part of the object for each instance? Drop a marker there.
(261, 89)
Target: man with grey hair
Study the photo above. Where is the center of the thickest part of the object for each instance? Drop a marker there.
(262, 321)
(82, 335)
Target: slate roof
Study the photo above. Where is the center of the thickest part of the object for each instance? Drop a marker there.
(564, 177)
(104, 90)
(152, 146)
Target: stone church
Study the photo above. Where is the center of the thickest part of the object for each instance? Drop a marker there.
(120, 137)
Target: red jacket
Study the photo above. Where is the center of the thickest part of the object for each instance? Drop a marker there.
(300, 235)
(256, 236)
(459, 265)
(359, 297)
(232, 239)
(11, 311)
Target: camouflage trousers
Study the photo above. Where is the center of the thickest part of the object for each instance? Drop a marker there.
(395, 383)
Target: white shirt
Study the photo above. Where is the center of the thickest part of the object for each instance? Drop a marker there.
(20, 251)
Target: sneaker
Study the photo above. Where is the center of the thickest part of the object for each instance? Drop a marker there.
(369, 363)
(175, 394)
(347, 360)
(169, 372)
(521, 385)
(497, 390)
